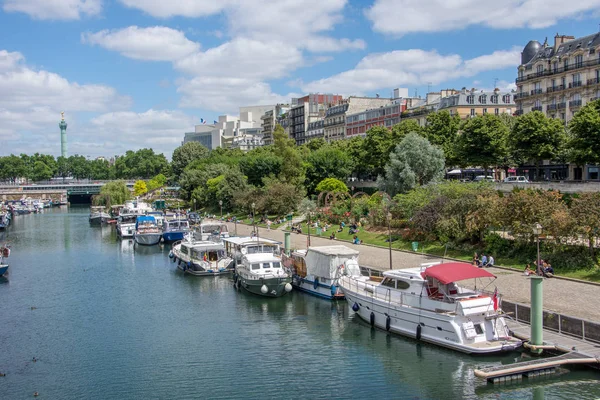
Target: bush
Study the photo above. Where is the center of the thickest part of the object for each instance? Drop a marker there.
(571, 258)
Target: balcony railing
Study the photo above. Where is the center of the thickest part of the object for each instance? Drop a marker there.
(574, 84)
(551, 107)
(537, 108)
(588, 63)
(562, 106)
(521, 95)
(519, 112)
(574, 103)
(593, 81)
(536, 91)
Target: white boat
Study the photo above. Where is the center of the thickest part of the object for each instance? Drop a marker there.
(201, 258)
(98, 215)
(147, 233)
(175, 229)
(427, 304)
(211, 231)
(258, 266)
(136, 207)
(318, 269)
(4, 253)
(126, 225)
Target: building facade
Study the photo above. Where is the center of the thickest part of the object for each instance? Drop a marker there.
(468, 104)
(270, 119)
(308, 109)
(335, 116)
(315, 130)
(358, 124)
(558, 80)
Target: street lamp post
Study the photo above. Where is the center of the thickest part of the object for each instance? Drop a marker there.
(308, 229)
(389, 216)
(194, 205)
(254, 220)
(537, 231)
(221, 205)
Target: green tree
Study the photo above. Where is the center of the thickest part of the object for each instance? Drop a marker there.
(185, 154)
(292, 167)
(79, 166)
(326, 162)
(280, 197)
(355, 149)
(113, 193)
(12, 167)
(442, 130)
(139, 188)
(259, 164)
(63, 168)
(377, 146)
(157, 182)
(399, 131)
(585, 209)
(414, 162)
(482, 142)
(41, 172)
(99, 169)
(332, 185)
(536, 137)
(585, 135)
(143, 164)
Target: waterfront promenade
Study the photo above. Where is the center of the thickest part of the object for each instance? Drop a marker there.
(561, 296)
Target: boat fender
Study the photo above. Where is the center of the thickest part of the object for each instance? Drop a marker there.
(355, 307)
(174, 258)
(372, 319)
(189, 264)
(171, 255)
(179, 262)
(288, 287)
(418, 332)
(235, 278)
(316, 283)
(333, 290)
(264, 289)
(388, 321)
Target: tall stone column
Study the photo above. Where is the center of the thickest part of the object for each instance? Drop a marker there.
(63, 135)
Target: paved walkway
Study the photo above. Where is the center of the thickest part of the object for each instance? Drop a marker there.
(561, 296)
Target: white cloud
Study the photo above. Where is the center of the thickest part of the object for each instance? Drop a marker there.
(161, 129)
(226, 95)
(157, 43)
(409, 67)
(173, 8)
(54, 9)
(243, 58)
(400, 17)
(32, 99)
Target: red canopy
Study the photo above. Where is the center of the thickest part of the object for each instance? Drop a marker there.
(455, 271)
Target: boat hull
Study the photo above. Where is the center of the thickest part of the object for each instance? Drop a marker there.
(329, 292)
(198, 271)
(3, 269)
(147, 239)
(275, 286)
(173, 236)
(99, 220)
(424, 325)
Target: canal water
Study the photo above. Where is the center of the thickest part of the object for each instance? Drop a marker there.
(105, 319)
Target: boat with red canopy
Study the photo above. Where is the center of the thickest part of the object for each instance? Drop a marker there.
(428, 304)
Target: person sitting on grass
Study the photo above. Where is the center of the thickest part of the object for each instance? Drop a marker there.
(528, 271)
(332, 236)
(548, 271)
(356, 240)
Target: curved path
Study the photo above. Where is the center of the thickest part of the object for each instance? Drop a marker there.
(562, 296)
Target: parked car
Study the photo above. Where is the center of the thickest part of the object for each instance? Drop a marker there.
(516, 179)
(481, 178)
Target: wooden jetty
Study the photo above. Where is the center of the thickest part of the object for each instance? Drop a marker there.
(571, 350)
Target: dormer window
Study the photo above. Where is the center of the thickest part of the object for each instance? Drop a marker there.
(470, 99)
(483, 99)
(494, 99)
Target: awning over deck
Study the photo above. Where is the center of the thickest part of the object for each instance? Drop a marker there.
(455, 271)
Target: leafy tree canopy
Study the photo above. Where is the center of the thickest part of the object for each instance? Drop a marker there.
(332, 185)
(185, 154)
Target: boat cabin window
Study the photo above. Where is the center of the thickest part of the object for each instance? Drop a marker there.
(478, 329)
(184, 250)
(389, 282)
(266, 265)
(255, 266)
(400, 284)
(276, 264)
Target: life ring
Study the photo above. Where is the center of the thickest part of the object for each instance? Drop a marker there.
(316, 283)
(372, 319)
(388, 321)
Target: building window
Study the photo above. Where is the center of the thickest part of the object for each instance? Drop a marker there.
(483, 99)
(538, 103)
(576, 79)
(555, 67)
(496, 111)
(470, 99)
(472, 112)
(485, 110)
(562, 116)
(494, 99)
(566, 64)
(540, 69)
(579, 61)
(506, 98)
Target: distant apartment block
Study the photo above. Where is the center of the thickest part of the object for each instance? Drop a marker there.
(308, 109)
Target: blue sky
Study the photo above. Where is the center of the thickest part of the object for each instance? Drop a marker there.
(139, 73)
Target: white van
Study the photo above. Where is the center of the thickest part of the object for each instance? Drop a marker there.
(516, 179)
(481, 178)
